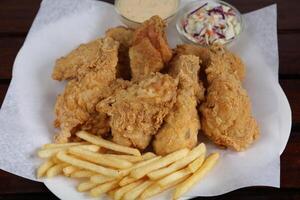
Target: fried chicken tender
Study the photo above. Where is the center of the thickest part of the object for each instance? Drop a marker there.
(87, 57)
(181, 125)
(232, 63)
(124, 36)
(226, 115)
(138, 112)
(76, 107)
(151, 34)
(144, 59)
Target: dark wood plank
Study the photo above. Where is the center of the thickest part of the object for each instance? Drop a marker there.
(15, 184)
(3, 89)
(17, 15)
(9, 47)
(289, 53)
(291, 89)
(290, 162)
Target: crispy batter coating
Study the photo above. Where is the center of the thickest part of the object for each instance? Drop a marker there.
(231, 63)
(150, 34)
(87, 57)
(181, 125)
(138, 112)
(144, 59)
(226, 115)
(124, 36)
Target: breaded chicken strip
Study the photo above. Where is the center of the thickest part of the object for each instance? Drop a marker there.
(87, 57)
(144, 59)
(124, 36)
(138, 112)
(181, 125)
(232, 63)
(154, 30)
(226, 115)
(150, 49)
(76, 108)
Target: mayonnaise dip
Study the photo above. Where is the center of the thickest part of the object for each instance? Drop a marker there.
(141, 10)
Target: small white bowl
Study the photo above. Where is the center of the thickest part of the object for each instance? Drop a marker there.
(133, 24)
(192, 6)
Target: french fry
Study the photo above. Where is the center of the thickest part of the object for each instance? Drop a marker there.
(174, 177)
(192, 155)
(101, 189)
(55, 160)
(99, 158)
(155, 189)
(125, 172)
(47, 153)
(137, 191)
(99, 179)
(111, 193)
(107, 144)
(87, 165)
(121, 191)
(127, 180)
(164, 161)
(50, 146)
(198, 175)
(90, 147)
(129, 158)
(82, 174)
(148, 156)
(196, 164)
(55, 170)
(44, 168)
(86, 186)
(69, 170)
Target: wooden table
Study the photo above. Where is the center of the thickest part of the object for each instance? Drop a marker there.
(16, 18)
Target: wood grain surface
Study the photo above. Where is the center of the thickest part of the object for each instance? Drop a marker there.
(17, 16)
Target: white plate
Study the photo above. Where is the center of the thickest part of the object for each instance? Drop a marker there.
(270, 105)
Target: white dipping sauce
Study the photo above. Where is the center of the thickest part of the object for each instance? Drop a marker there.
(141, 10)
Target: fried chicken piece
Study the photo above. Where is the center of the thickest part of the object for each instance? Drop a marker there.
(232, 63)
(98, 123)
(124, 36)
(138, 112)
(87, 57)
(144, 59)
(226, 115)
(154, 30)
(181, 125)
(151, 36)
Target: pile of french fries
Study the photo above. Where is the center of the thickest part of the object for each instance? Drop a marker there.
(125, 173)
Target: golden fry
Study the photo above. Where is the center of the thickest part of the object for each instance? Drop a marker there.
(196, 164)
(101, 189)
(101, 179)
(100, 159)
(129, 158)
(53, 145)
(44, 168)
(127, 180)
(55, 170)
(69, 170)
(200, 173)
(107, 144)
(87, 165)
(164, 161)
(82, 174)
(137, 191)
(86, 186)
(174, 177)
(90, 147)
(125, 172)
(192, 155)
(121, 191)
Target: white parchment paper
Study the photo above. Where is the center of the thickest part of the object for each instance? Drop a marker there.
(26, 114)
